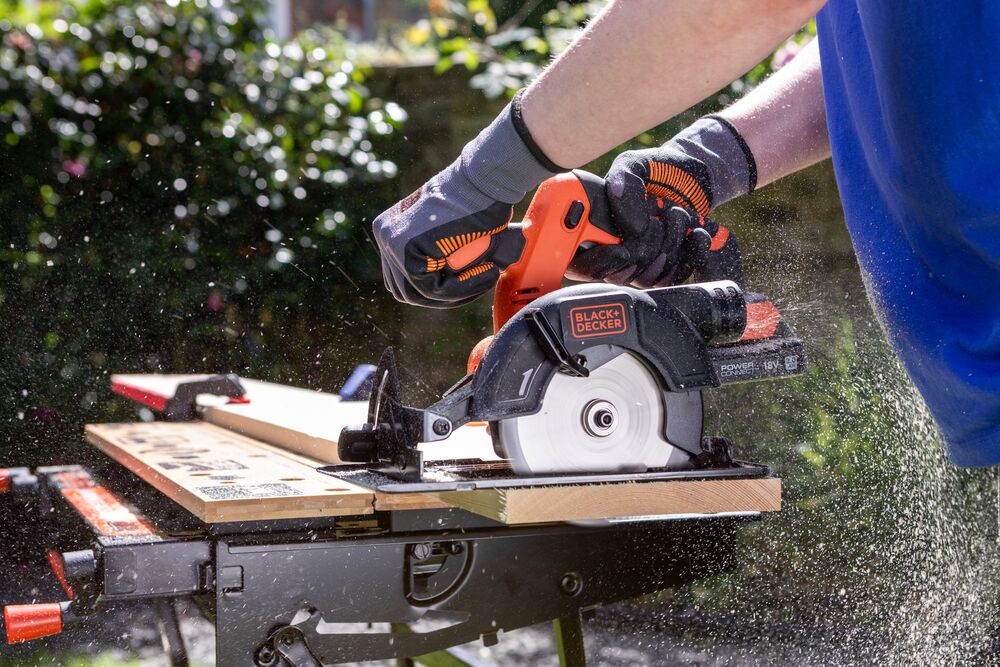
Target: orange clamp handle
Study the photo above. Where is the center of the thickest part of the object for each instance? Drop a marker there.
(566, 212)
(25, 622)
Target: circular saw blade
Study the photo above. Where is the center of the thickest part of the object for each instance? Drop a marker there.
(612, 420)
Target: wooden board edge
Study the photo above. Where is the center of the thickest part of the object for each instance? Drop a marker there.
(490, 503)
(559, 504)
(170, 489)
(222, 511)
(391, 502)
(647, 499)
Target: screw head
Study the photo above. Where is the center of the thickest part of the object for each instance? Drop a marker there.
(421, 551)
(265, 656)
(571, 583)
(441, 427)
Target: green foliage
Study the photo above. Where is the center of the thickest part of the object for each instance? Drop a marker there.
(172, 173)
(513, 51)
(510, 52)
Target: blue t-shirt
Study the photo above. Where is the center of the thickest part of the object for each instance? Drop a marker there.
(913, 106)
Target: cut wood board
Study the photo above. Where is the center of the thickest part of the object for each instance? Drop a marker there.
(301, 420)
(392, 502)
(612, 501)
(303, 426)
(222, 476)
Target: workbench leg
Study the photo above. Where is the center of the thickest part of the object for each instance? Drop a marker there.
(569, 641)
(170, 632)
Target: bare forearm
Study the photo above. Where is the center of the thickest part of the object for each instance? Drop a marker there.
(643, 61)
(783, 120)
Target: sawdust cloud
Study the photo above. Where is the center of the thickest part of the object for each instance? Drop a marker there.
(897, 562)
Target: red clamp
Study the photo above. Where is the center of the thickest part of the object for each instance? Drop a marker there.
(32, 621)
(182, 406)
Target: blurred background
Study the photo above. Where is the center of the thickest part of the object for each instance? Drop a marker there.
(188, 186)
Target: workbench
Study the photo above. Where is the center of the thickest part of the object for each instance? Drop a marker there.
(230, 511)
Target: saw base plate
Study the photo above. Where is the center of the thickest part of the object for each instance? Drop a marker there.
(475, 474)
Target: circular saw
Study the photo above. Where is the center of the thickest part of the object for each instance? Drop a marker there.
(590, 378)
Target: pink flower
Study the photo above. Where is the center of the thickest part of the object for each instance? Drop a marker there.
(19, 40)
(74, 168)
(214, 302)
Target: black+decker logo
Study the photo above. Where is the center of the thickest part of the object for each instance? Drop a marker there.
(604, 320)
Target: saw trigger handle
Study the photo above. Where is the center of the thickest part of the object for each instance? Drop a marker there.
(568, 211)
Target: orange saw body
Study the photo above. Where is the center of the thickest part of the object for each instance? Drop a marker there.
(567, 212)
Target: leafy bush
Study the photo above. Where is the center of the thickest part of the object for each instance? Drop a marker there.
(513, 50)
(171, 173)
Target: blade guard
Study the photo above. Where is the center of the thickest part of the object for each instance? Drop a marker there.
(567, 211)
(668, 329)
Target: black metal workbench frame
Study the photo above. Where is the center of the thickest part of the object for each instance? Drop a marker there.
(282, 592)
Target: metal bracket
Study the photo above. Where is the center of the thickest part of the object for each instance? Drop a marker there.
(286, 645)
(569, 641)
(170, 632)
(182, 406)
(389, 439)
(716, 452)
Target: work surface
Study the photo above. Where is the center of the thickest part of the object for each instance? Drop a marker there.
(219, 475)
(257, 461)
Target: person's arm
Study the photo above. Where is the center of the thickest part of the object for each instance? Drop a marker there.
(783, 120)
(778, 128)
(639, 63)
(642, 62)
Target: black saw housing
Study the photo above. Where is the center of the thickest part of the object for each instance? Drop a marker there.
(691, 337)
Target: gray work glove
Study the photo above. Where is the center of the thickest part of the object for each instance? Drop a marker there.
(445, 244)
(660, 200)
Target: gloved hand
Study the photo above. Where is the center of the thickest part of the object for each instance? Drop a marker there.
(445, 244)
(663, 246)
(660, 199)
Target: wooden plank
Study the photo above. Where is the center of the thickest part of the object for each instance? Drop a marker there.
(610, 501)
(393, 502)
(301, 420)
(222, 476)
(305, 424)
